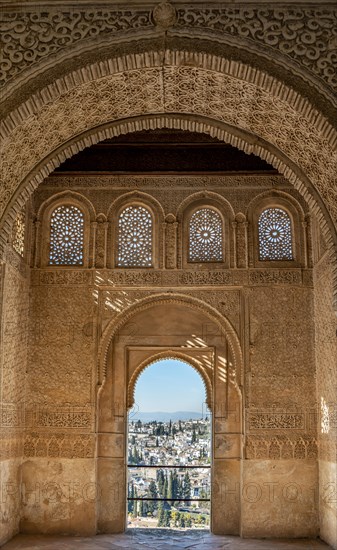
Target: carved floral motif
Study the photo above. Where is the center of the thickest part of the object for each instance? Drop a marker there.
(29, 37)
(59, 445)
(306, 35)
(281, 447)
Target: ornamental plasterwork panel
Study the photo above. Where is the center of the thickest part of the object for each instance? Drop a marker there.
(227, 302)
(61, 352)
(307, 35)
(281, 447)
(59, 445)
(304, 37)
(158, 278)
(187, 89)
(156, 182)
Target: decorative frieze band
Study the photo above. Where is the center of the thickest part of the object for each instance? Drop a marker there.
(275, 276)
(281, 447)
(169, 278)
(276, 421)
(59, 445)
(37, 416)
(72, 418)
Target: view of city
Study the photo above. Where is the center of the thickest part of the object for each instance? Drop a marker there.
(169, 472)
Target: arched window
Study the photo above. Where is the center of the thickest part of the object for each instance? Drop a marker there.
(66, 236)
(205, 236)
(135, 229)
(275, 235)
(18, 233)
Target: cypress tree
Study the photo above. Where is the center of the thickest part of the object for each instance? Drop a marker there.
(187, 489)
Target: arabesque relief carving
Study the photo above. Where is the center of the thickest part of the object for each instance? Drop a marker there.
(105, 99)
(306, 35)
(58, 445)
(125, 277)
(281, 447)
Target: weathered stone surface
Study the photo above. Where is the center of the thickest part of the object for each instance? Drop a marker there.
(283, 495)
(58, 496)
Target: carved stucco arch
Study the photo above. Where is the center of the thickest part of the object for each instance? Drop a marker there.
(274, 194)
(116, 324)
(136, 196)
(169, 354)
(248, 109)
(204, 196)
(63, 197)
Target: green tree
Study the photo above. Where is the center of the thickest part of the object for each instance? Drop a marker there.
(165, 487)
(141, 508)
(175, 515)
(152, 493)
(182, 520)
(188, 520)
(186, 489)
(160, 515)
(199, 519)
(160, 482)
(131, 494)
(167, 518)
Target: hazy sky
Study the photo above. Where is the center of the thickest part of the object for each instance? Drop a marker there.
(168, 386)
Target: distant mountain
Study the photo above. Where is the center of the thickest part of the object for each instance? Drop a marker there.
(165, 416)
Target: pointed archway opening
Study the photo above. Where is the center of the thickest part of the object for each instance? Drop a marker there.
(169, 450)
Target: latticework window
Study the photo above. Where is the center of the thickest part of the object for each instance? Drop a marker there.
(275, 235)
(18, 233)
(205, 236)
(66, 236)
(135, 228)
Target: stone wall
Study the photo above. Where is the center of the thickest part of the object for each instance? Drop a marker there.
(326, 357)
(268, 465)
(58, 464)
(280, 470)
(14, 292)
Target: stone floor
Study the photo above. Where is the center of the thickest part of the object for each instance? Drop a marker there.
(146, 539)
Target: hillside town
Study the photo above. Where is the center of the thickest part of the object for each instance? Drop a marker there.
(169, 473)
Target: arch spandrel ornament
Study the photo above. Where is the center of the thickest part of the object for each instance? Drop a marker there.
(115, 326)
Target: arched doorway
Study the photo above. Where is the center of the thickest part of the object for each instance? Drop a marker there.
(149, 331)
(169, 449)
